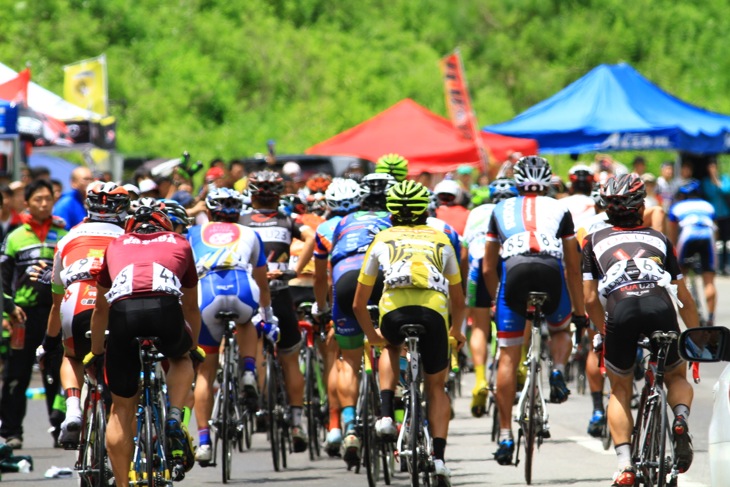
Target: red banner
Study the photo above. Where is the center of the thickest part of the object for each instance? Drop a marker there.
(459, 103)
(16, 89)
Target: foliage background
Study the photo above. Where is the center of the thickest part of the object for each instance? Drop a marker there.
(221, 77)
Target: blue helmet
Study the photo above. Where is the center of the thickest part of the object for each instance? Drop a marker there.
(224, 204)
(502, 189)
(690, 188)
(175, 212)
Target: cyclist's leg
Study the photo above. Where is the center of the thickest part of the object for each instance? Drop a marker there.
(119, 441)
(478, 301)
(244, 302)
(76, 345)
(595, 385)
(708, 264)
(561, 344)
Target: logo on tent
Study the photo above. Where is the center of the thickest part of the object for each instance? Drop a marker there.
(619, 141)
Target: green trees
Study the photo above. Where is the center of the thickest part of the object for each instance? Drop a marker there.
(221, 77)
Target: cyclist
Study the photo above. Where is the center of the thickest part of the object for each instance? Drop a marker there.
(177, 215)
(149, 283)
(692, 231)
(276, 230)
(477, 299)
(631, 278)
(534, 233)
(224, 251)
(343, 197)
(450, 209)
(422, 280)
(580, 203)
(394, 164)
(74, 291)
(350, 240)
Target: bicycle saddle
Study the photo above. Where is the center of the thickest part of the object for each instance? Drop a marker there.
(412, 330)
(226, 315)
(536, 298)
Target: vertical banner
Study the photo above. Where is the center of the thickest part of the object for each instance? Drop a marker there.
(84, 84)
(459, 103)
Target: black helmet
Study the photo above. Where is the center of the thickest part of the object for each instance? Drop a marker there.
(624, 193)
(265, 185)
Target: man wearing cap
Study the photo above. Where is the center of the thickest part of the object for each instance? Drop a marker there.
(70, 206)
(148, 189)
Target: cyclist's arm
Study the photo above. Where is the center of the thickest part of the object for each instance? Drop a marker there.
(490, 264)
(99, 320)
(360, 309)
(464, 264)
(673, 231)
(573, 275)
(259, 275)
(593, 304)
(321, 283)
(191, 312)
(458, 310)
(305, 256)
(654, 218)
(54, 318)
(688, 311)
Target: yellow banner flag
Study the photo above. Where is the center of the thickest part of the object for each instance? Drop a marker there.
(84, 84)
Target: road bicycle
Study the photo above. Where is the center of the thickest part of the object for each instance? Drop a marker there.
(414, 441)
(276, 408)
(532, 416)
(92, 461)
(231, 424)
(150, 464)
(315, 390)
(652, 448)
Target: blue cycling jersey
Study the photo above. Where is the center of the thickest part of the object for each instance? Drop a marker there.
(695, 218)
(355, 232)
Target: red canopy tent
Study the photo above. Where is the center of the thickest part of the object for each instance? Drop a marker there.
(428, 141)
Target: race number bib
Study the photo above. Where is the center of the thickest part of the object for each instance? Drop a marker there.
(122, 285)
(79, 270)
(532, 243)
(165, 281)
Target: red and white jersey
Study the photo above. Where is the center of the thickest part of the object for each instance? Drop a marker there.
(77, 253)
(147, 265)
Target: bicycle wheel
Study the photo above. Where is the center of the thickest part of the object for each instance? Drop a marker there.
(415, 419)
(495, 418)
(100, 457)
(271, 410)
(369, 438)
(309, 402)
(226, 434)
(530, 432)
(149, 458)
(660, 435)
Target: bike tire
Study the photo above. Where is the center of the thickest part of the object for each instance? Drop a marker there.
(370, 445)
(495, 418)
(149, 447)
(271, 410)
(309, 402)
(415, 418)
(248, 425)
(606, 436)
(285, 443)
(225, 432)
(100, 455)
(661, 436)
(531, 427)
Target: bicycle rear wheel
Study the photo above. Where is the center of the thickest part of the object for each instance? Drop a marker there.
(271, 410)
(100, 458)
(370, 440)
(149, 460)
(530, 429)
(415, 420)
(310, 402)
(226, 434)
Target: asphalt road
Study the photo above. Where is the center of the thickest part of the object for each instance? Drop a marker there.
(571, 457)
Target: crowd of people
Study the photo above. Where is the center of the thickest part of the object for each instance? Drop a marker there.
(155, 256)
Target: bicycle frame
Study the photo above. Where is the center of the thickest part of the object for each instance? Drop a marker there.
(91, 461)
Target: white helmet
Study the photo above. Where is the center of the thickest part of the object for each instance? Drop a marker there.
(343, 195)
(448, 187)
(291, 169)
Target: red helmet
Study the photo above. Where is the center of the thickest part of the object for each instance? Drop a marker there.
(624, 193)
(107, 202)
(148, 220)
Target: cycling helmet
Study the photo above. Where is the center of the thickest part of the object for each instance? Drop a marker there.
(292, 203)
(343, 196)
(224, 204)
(448, 191)
(265, 185)
(623, 193)
(146, 201)
(581, 178)
(408, 201)
(107, 202)
(378, 183)
(502, 189)
(316, 204)
(596, 195)
(690, 188)
(292, 170)
(175, 212)
(393, 164)
(319, 182)
(148, 219)
(532, 173)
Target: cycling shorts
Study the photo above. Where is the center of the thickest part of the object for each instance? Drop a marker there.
(348, 333)
(225, 290)
(476, 289)
(435, 343)
(149, 316)
(704, 247)
(76, 308)
(289, 335)
(628, 319)
(521, 275)
(301, 294)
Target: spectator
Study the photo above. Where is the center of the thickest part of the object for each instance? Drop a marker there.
(6, 216)
(650, 184)
(165, 187)
(217, 162)
(426, 179)
(639, 165)
(666, 185)
(148, 189)
(507, 168)
(686, 172)
(57, 189)
(16, 202)
(70, 206)
(40, 172)
(716, 189)
(465, 177)
(355, 171)
(237, 173)
(25, 176)
(215, 177)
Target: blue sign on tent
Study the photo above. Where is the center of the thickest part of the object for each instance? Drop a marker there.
(613, 107)
(8, 118)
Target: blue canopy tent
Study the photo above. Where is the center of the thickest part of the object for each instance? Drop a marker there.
(613, 107)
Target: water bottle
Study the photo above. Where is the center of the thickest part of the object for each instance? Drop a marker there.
(17, 339)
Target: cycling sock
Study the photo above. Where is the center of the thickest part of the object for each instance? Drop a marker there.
(348, 418)
(597, 401)
(296, 415)
(681, 410)
(560, 368)
(73, 392)
(249, 364)
(439, 447)
(334, 418)
(623, 455)
(204, 436)
(481, 378)
(505, 434)
(187, 413)
(386, 403)
(73, 406)
(175, 414)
